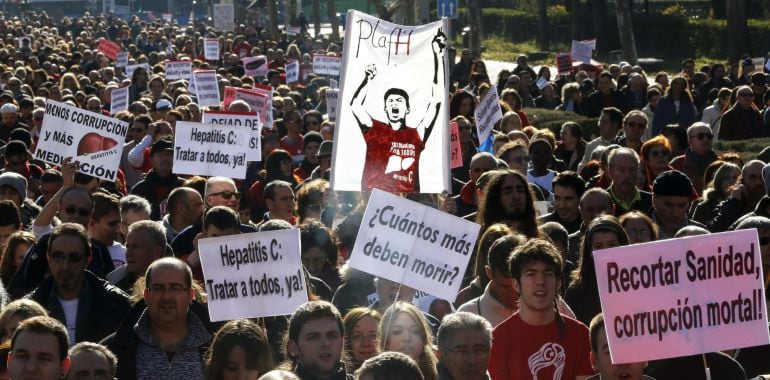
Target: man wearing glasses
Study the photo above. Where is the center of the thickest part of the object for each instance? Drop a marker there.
(170, 324)
(87, 305)
(699, 155)
(220, 191)
(634, 125)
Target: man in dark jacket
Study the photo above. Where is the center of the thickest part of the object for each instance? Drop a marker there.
(166, 335)
(88, 306)
(159, 181)
(312, 319)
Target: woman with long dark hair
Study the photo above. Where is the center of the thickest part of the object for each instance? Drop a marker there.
(239, 350)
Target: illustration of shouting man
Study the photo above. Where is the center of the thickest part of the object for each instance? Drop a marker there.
(392, 148)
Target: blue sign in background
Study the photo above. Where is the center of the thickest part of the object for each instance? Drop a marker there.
(447, 8)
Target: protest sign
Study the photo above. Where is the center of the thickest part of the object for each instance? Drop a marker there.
(211, 49)
(122, 59)
(267, 91)
(393, 110)
(257, 101)
(293, 30)
(292, 72)
(332, 98)
(487, 113)
(118, 100)
(166, 16)
(683, 296)
(206, 88)
(581, 52)
(413, 244)
(176, 70)
(456, 155)
(131, 68)
(253, 275)
(590, 42)
(224, 17)
(92, 139)
(326, 64)
(564, 63)
(541, 83)
(255, 66)
(247, 120)
(759, 63)
(109, 48)
(208, 149)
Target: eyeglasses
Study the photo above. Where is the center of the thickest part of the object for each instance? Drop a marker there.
(171, 289)
(82, 211)
(703, 135)
(227, 194)
(746, 95)
(60, 257)
(659, 153)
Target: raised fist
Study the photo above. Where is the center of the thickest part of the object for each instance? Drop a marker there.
(371, 71)
(439, 43)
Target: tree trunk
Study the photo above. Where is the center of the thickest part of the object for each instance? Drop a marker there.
(317, 17)
(718, 8)
(737, 29)
(626, 31)
(599, 13)
(272, 11)
(575, 20)
(382, 11)
(474, 21)
(331, 9)
(543, 41)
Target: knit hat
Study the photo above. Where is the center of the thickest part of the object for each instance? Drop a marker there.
(672, 183)
(16, 181)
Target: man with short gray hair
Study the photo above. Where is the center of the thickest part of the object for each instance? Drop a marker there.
(623, 164)
(464, 341)
(145, 243)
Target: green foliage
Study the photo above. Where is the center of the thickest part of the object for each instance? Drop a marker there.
(553, 120)
(675, 10)
(747, 149)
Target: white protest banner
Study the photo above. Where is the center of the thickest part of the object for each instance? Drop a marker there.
(255, 66)
(393, 110)
(487, 113)
(224, 17)
(293, 30)
(326, 64)
(211, 49)
(581, 52)
(541, 83)
(239, 119)
(208, 149)
(332, 99)
(683, 296)
(122, 59)
(118, 100)
(131, 68)
(94, 140)
(456, 155)
(413, 244)
(590, 42)
(253, 275)
(206, 88)
(268, 92)
(166, 16)
(176, 70)
(292, 72)
(256, 100)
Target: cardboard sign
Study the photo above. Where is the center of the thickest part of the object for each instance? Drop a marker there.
(326, 65)
(759, 63)
(176, 70)
(293, 30)
(207, 88)
(292, 72)
(590, 42)
(456, 153)
(401, 147)
(118, 100)
(487, 113)
(122, 59)
(208, 149)
(90, 138)
(211, 49)
(581, 52)
(256, 100)
(247, 120)
(255, 66)
(224, 17)
(541, 83)
(564, 63)
(268, 92)
(130, 69)
(109, 48)
(253, 275)
(332, 97)
(413, 244)
(683, 296)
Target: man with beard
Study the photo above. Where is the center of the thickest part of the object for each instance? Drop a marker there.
(623, 165)
(168, 325)
(742, 199)
(508, 200)
(88, 306)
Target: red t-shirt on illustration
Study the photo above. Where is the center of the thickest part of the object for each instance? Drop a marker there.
(392, 158)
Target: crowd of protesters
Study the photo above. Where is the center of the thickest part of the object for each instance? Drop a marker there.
(102, 279)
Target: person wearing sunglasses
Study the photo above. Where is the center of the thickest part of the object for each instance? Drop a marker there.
(699, 155)
(634, 125)
(742, 120)
(90, 308)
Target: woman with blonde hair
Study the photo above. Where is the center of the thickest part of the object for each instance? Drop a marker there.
(360, 336)
(404, 329)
